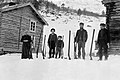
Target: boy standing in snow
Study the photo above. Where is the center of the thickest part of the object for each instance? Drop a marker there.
(59, 47)
(81, 38)
(103, 41)
(52, 40)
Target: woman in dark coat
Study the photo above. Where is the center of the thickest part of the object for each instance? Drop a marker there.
(26, 39)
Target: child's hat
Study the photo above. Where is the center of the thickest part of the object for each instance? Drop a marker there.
(59, 36)
(53, 29)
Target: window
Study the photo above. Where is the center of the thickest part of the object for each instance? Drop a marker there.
(32, 26)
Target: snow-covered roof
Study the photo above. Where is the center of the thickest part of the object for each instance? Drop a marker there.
(24, 5)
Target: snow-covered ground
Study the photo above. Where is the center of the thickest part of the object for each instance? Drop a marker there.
(13, 68)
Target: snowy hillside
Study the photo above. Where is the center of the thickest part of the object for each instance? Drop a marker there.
(67, 22)
(90, 5)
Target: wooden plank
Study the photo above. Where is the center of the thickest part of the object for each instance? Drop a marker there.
(108, 1)
(8, 21)
(117, 3)
(10, 34)
(11, 17)
(114, 26)
(14, 22)
(25, 18)
(116, 17)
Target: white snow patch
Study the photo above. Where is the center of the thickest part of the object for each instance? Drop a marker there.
(13, 68)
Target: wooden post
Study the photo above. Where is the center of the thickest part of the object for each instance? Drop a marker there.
(69, 45)
(92, 44)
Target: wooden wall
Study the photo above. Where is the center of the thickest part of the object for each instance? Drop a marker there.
(0, 27)
(113, 24)
(14, 23)
(113, 20)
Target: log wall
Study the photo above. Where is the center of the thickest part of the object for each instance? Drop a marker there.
(0, 27)
(14, 23)
(113, 24)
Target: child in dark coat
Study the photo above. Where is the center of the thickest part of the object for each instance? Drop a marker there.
(59, 47)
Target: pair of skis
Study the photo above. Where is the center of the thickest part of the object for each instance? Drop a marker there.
(43, 51)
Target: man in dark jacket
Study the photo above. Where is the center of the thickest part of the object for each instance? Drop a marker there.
(103, 41)
(52, 40)
(81, 38)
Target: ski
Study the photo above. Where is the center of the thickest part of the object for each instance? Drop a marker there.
(69, 46)
(92, 44)
(38, 45)
(62, 52)
(75, 55)
(43, 54)
(45, 51)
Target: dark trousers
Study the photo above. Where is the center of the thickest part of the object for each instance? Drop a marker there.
(58, 52)
(81, 45)
(52, 49)
(103, 50)
(75, 56)
(51, 52)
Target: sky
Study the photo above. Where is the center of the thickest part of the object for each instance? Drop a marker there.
(90, 5)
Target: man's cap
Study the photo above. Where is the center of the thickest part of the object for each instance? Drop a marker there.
(102, 24)
(53, 29)
(81, 23)
(59, 36)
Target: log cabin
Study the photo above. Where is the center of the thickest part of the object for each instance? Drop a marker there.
(113, 24)
(14, 21)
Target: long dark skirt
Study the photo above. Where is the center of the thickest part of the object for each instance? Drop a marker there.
(26, 51)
